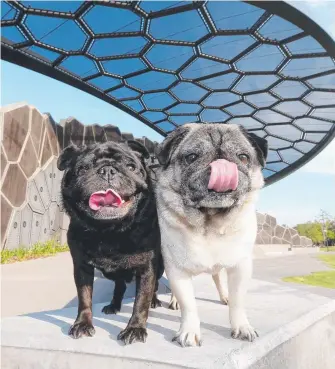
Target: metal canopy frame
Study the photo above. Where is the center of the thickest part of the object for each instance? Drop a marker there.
(295, 136)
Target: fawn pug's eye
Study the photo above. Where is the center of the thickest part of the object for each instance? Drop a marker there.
(191, 158)
(131, 167)
(244, 158)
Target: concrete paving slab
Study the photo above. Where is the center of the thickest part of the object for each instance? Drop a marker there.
(37, 285)
(280, 314)
(45, 284)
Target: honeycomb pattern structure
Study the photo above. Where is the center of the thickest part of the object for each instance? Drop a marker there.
(263, 65)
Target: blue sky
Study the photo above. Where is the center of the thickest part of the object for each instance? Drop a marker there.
(295, 199)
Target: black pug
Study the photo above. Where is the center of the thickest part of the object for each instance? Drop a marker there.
(108, 194)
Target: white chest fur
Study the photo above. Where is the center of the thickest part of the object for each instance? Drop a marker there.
(222, 243)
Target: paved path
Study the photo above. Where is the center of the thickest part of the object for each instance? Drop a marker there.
(274, 269)
(46, 284)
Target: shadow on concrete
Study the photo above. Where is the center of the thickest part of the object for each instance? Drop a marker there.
(210, 300)
(64, 318)
(103, 290)
(102, 293)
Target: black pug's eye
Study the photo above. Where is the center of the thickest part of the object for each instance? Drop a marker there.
(244, 158)
(191, 158)
(82, 170)
(131, 167)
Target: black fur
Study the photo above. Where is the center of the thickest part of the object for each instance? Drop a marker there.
(124, 243)
(259, 144)
(165, 150)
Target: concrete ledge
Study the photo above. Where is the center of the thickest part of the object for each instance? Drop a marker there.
(290, 322)
(299, 344)
(273, 250)
(305, 250)
(262, 251)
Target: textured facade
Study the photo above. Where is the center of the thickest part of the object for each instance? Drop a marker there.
(269, 232)
(31, 209)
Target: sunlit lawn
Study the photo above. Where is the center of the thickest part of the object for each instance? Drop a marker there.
(39, 250)
(321, 279)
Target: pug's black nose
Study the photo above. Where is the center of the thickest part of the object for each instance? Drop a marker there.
(107, 172)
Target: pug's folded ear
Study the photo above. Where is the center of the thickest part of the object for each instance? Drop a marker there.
(260, 144)
(139, 148)
(165, 149)
(67, 157)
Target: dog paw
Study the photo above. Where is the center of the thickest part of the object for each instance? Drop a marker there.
(133, 334)
(224, 300)
(173, 305)
(188, 339)
(244, 332)
(155, 302)
(111, 309)
(81, 328)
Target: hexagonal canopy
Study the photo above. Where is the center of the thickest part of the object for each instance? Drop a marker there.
(263, 65)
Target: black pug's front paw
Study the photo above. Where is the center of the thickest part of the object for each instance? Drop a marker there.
(133, 334)
(82, 328)
(111, 309)
(155, 302)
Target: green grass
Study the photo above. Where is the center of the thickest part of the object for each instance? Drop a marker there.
(39, 250)
(321, 279)
(329, 259)
(329, 248)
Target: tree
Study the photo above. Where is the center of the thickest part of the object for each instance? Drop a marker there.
(312, 231)
(325, 221)
(321, 231)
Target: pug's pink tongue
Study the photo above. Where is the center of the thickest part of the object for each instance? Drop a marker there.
(224, 176)
(105, 198)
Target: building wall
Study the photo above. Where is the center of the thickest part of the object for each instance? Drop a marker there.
(31, 208)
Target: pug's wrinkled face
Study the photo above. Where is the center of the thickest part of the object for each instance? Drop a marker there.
(212, 165)
(103, 182)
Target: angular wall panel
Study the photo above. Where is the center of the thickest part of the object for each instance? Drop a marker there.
(34, 198)
(3, 163)
(37, 126)
(36, 228)
(113, 133)
(46, 151)
(45, 228)
(42, 188)
(48, 175)
(6, 212)
(52, 133)
(15, 131)
(99, 133)
(29, 160)
(14, 193)
(14, 232)
(56, 181)
(54, 216)
(77, 132)
(26, 225)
